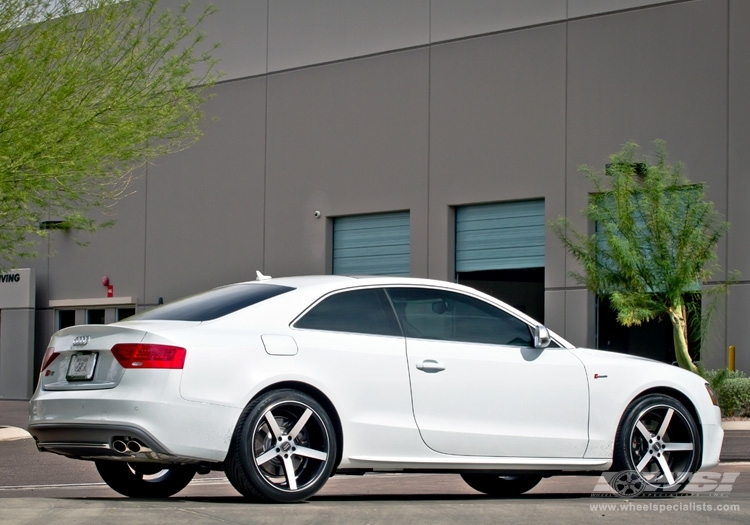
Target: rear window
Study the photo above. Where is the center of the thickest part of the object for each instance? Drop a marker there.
(213, 304)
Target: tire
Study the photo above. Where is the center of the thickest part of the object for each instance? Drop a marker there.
(283, 450)
(658, 440)
(501, 486)
(145, 480)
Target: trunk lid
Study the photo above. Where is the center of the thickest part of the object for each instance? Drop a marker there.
(80, 357)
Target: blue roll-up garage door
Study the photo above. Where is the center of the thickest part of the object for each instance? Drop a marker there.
(375, 244)
(500, 236)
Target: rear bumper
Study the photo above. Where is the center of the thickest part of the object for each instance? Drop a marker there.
(149, 411)
(96, 441)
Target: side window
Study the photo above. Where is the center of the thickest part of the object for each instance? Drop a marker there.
(438, 314)
(359, 311)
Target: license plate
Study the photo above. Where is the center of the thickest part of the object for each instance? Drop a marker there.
(81, 367)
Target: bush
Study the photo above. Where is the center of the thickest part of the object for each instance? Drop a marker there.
(734, 397)
(732, 389)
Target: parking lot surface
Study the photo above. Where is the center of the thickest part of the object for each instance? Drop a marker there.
(43, 488)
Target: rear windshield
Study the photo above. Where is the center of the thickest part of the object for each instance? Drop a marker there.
(213, 304)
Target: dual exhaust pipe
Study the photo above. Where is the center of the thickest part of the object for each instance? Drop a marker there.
(129, 446)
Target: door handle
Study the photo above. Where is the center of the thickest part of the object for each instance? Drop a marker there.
(430, 366)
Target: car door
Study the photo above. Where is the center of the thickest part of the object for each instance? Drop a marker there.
(478, 386)
(352, 347)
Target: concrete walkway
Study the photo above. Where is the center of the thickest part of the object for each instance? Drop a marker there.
(13, 433)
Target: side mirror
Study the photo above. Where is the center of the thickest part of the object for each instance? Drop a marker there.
(542, 338)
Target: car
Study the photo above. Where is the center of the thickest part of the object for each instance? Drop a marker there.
(283, 382)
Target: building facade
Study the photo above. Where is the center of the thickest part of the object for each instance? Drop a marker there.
(435, 138)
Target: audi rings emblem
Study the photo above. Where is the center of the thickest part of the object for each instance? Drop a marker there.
(81, 340)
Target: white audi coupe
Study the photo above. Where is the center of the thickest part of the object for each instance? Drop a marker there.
(282, 383)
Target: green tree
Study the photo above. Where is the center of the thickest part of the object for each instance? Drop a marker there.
(91, 91)
(655, 243)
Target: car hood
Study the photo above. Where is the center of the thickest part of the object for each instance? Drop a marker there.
(605, 361)
(608, 355)
(626, 376)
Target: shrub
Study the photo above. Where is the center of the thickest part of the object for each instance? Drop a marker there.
(734, 397)
(732, 389)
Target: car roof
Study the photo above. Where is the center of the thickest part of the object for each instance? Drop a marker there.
(316, 285)
(345, 281)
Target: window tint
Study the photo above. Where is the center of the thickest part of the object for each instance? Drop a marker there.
(449, 316)
(214, 303)
(360, 311)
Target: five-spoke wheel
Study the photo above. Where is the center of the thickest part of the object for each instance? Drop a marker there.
(659, 440)
(284, 448)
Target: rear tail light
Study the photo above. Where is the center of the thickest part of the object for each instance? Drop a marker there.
(49, 356)
(138, 355)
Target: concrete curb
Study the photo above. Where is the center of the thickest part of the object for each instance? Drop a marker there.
(13, 433)
(735, 425)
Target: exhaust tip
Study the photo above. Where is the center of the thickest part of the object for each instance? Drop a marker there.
(129, 446)
(119, 446)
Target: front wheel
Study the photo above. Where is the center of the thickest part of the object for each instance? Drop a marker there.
(145, 480)
(284, 448)
(501, 486)
(658, 441)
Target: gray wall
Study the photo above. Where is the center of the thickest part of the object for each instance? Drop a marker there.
(738, 180)
(346, 108)
(16, 361)
(266, 36)
(343, 139)
(205, 207)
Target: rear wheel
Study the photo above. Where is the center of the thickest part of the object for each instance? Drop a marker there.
(145, 480)
(284, 448)
(501, 486)
(658, 441)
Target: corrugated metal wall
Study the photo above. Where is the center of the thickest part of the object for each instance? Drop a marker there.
(500, 236)
(371, 244)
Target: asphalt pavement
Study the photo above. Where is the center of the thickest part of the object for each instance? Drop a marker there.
(36, 486)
